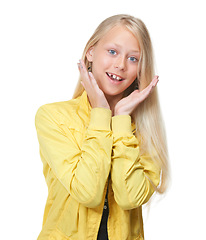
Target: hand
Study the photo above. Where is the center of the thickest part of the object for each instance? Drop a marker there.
(95, 94)
(128, 104)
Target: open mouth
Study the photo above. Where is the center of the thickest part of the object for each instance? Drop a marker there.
(114, 77)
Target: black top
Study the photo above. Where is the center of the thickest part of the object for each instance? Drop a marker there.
(102, 234)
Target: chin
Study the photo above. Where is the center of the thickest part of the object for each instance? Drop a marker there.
(113, 93)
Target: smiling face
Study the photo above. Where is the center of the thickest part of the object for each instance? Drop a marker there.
(115, 60)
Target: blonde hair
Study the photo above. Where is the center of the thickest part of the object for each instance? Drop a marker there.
(147, 116)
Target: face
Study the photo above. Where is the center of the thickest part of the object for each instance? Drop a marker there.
(115, 61)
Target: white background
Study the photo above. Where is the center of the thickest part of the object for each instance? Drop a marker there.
(40, 44)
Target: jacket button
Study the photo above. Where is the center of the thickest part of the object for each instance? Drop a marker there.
(105, 207)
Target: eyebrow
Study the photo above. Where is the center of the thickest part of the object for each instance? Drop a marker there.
(116, 44)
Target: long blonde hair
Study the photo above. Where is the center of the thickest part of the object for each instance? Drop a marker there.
(147, 116)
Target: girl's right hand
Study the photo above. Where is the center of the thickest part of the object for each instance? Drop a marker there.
(95, 94)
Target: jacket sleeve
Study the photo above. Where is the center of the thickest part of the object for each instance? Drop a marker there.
(82, 170)
(133, 176)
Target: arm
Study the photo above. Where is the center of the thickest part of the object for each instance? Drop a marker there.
(82, 170)
(132, 175)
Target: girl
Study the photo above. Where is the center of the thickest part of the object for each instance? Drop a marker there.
(104, 152)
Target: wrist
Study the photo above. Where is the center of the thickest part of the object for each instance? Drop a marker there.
(120, 113)
(100, 105)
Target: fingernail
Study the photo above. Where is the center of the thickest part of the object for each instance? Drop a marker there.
(80, 61)
(79, 65)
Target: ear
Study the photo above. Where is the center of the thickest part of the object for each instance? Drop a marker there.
(89, 54)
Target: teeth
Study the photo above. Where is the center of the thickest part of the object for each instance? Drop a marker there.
(114, 77)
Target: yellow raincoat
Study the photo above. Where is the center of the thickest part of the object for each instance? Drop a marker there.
(84, 150)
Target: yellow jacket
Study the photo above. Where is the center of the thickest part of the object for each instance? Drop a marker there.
(80, 148)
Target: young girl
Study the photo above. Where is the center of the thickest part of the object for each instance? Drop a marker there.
(104, 152)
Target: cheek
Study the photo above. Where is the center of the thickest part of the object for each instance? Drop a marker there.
(103, 62)
(101, 59)
(100, 65)
(133, 73)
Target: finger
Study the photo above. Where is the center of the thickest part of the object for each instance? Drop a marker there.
(82, 67)
(84, 73)
(95, 84)
(83, 84)
(93, 80)
(154, 81)
(147, 91)
(152, 84)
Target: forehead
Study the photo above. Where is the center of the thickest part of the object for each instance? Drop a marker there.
(121, 36)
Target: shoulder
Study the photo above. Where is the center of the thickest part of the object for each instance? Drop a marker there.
(57, 112)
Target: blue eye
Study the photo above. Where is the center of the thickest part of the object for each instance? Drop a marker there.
(113, 52)
(133, 59)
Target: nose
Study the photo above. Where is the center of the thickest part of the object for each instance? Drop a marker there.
(120, 63)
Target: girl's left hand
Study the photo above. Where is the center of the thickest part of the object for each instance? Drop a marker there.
(127, 105)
